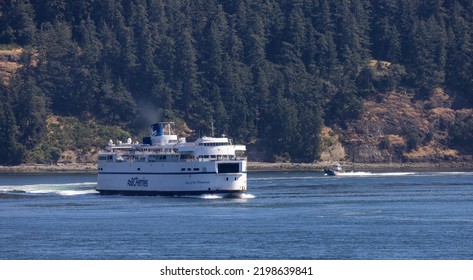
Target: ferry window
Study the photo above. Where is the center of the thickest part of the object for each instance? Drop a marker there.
(185, 156)
(188, 169)
(152, 158)
(228, 168)
(196, 169)
(183, 169)
(102, 157)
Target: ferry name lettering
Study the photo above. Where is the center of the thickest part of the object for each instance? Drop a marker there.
(137, 182)
(197, 182)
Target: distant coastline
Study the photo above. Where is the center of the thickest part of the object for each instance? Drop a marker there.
(256, 166)
(350, 166)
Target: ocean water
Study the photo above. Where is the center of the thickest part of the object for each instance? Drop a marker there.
(284, 215)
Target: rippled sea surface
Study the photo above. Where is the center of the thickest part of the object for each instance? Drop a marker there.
(284, 215)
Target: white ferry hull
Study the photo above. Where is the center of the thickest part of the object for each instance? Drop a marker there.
(169, 179)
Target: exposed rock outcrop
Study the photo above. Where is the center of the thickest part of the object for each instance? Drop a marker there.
(399, 128)
(9, 64)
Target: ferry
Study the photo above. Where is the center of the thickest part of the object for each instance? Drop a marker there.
(164, 164)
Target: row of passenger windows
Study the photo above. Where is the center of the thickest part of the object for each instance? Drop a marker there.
(153, 158)
(156, 158)
(190, 169)
(105, 157)
(215, 156)
(214, 144)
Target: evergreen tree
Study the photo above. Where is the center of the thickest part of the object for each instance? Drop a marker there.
(50, 10)
(351, 31)
(407, 19)
(344, 107)
(282, 129)
(296, 25)
(31, 112)
(57, 64)
(430, 55)
(187, 78)
(384, 32)
(144, 46)
(310, 126)
(11, 151)
(115, 104)
(17, 24)
(460, 54)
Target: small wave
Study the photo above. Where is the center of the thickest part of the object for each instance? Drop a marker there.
(427, 173)
(227, 196)
(376, 174)
(68, 193)
(66, 189)
(231, 195)
(239, 196)
(247, 196)
(211, 196)
(40, 186)
(449, 173)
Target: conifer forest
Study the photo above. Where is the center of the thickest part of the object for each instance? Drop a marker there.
(272, 73)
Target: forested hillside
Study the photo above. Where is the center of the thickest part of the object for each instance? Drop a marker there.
(271, 73)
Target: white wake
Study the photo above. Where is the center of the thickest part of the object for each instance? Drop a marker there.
(66, 189)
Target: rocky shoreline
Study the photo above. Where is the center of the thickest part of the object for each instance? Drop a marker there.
(350, 166)
(46, 168)
(258, 166)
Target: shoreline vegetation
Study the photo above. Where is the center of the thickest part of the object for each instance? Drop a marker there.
(258, 166)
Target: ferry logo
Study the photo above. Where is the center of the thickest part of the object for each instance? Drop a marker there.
(137, 182)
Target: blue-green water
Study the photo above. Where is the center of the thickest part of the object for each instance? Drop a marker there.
(293, 215)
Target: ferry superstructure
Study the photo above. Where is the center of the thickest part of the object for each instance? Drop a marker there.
(167, 165)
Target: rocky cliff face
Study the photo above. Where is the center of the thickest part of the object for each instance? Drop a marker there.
(9, 63)
(398, 128)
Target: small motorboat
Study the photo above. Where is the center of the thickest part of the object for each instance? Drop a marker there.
(334, 170)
